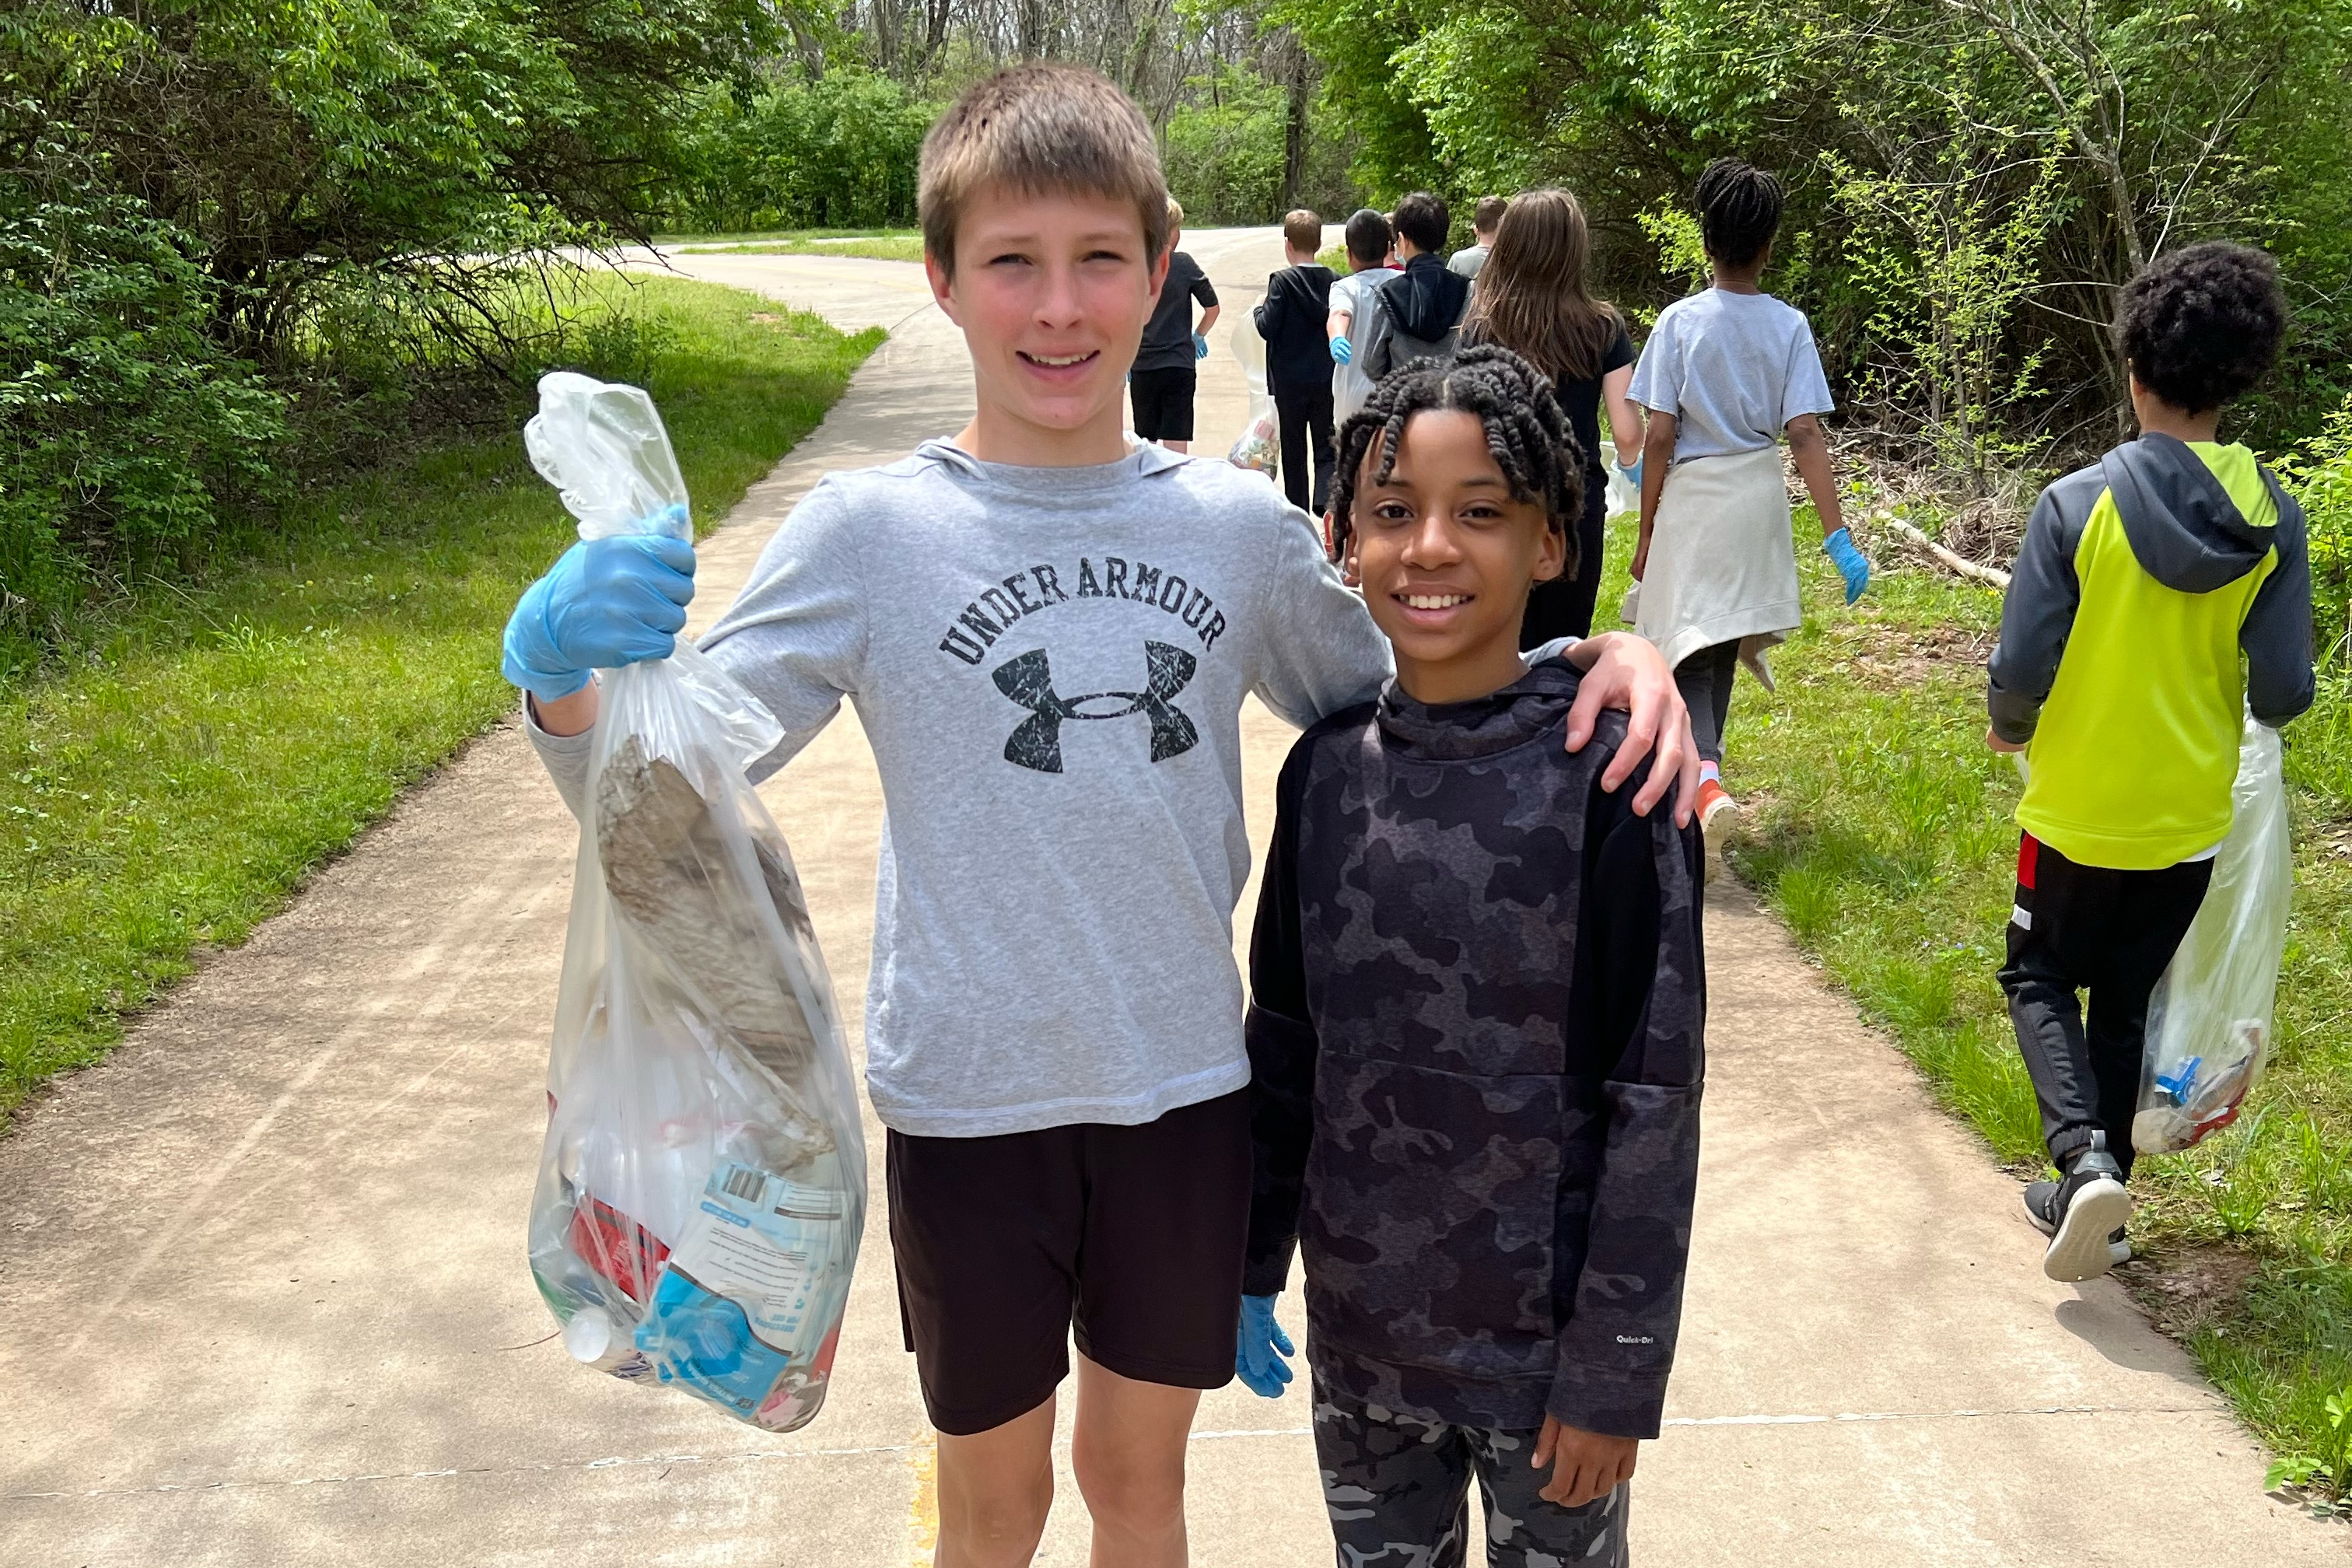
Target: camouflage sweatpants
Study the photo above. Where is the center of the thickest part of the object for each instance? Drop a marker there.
(1398, 1490)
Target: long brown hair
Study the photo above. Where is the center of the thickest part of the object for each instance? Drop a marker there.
(1529, 297)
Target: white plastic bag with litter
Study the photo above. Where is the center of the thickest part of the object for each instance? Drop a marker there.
(702, 1190)
(1259, 446)
(2208, 1020)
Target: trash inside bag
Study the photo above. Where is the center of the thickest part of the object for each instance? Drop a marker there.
(702, 1190)
(1259, 446)
(2208, 1020)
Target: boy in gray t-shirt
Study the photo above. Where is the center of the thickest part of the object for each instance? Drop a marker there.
(1724, 372)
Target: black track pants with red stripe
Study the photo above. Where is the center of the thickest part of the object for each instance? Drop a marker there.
(2111, 933)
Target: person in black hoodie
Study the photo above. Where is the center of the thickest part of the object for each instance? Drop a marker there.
(1475, 1028)
(1423, 304)
(1298, 359)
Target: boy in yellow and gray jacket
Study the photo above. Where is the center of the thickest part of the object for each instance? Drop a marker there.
(2161, 593)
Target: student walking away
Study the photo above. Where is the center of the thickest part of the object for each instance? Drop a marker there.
(1476, 1057)
(1532, 300)
(1421, 306)
(1724, 372)
(1166, 366)
(1054, 702)
(1483, 222)
(1355, 315)
(2145, 579)
(1292, 320)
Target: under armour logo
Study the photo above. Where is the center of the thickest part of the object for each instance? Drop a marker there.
(1036, 743)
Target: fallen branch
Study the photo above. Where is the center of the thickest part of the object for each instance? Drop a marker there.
(1991, 576)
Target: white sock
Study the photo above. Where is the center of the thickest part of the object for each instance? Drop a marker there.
(1710, 773)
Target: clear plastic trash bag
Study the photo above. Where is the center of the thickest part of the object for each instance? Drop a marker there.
(1623, 497)
(2208, 1020)
(702, 1190)
(1259, 446)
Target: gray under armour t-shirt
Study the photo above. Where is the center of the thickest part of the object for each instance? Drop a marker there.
(1050, 665)
(1734, 369)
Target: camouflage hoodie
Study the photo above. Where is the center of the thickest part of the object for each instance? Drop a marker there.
(1475, 1041)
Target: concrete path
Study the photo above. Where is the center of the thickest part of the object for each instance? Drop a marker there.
(266, 1304)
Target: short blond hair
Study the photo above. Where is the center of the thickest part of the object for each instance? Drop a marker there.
(1302, 230)
(1040, 128)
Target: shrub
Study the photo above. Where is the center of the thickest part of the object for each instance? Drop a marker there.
(1224, 151)
(2320, 475)
(123, 430)
(838, 152)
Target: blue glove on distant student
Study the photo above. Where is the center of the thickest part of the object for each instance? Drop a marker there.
(1840, 548)
(1633, 475)
(604, 603)
(1200, 347)
(1342, 350)
(1257, 1361)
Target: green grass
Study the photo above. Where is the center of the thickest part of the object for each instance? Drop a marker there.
(1882, 833)
(876, 244)
(172, 776)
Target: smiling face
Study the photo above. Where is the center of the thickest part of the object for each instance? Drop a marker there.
(1052, 292)
(1447, 557)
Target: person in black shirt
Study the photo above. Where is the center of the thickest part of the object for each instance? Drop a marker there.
(1161, 387)
(1531, 298)
(1298, 359)
(1477, 1002)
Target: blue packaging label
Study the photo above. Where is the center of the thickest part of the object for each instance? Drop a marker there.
(745, 1291)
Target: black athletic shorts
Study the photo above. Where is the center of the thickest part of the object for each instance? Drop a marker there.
(1163, 403)
(1131, 1236)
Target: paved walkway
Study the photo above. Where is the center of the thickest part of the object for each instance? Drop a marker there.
(266, 1305)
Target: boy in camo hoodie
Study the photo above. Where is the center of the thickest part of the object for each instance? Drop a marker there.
(1476, 1027)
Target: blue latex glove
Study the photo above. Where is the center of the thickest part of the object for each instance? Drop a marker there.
(1633, 475)
(1200, 347)
(1257, 1360)
(1342, 350)
(1840, 548)
(604, 603)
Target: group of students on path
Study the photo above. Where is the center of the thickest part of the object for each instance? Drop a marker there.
(1697, 419)
(1464, 1090)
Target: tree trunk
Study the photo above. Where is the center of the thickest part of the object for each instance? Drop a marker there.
(1296, 130)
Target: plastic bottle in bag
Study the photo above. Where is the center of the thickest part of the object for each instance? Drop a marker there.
(702, 1190)
(2208, 1019)
(1259, 446)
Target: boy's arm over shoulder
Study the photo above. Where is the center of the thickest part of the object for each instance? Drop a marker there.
(1640, 997)
(1282, 1045)
(796, 635)
(2037, 612)
(1315, 648)
(2276, 634)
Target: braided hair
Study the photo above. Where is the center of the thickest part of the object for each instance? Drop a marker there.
(1738, 210)
(1527, 432)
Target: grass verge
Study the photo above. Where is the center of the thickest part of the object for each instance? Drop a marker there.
(874, 244)
(171, 777)
(1880, 829)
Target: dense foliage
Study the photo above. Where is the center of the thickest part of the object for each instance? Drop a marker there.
(1971, 179)
(213, 214)
(836, 153)
(1227, 155)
